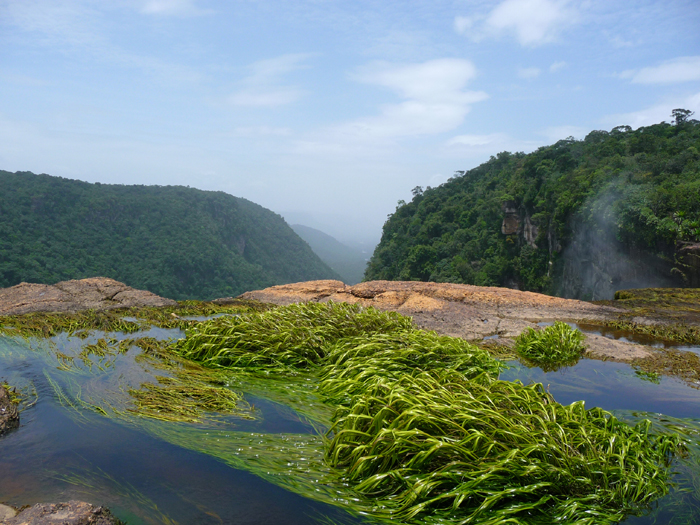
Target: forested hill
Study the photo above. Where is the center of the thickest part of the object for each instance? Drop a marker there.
(174, 241)
(580, 218)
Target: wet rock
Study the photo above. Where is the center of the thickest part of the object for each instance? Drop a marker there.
(70, 513)
(96, 293)
(9, 415)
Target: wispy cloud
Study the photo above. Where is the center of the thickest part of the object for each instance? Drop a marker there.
(532, 22)
(529, 73)
(682, 69)
(435, 98)
(263, 86)
(556, 66)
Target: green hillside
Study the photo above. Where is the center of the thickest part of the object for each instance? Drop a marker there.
(175, 241)
(346, 261)
(580, 218)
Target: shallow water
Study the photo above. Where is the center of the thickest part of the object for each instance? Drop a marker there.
(59, 454)
(147, 474)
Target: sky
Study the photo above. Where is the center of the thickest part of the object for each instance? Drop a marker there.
(327, 112)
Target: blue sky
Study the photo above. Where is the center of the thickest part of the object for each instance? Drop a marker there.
(327, 112)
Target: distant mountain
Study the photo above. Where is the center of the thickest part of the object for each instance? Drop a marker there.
(579, 218)
(350, 263)
(177, 242)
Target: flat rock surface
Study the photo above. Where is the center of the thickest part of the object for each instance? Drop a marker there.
(95, 293)
(70, 513)
(459, 310)
(9, 416)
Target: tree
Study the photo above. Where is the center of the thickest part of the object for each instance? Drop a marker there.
(681, 116)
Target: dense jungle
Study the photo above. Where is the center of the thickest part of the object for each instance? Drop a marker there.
(579, 218)
(175, 241)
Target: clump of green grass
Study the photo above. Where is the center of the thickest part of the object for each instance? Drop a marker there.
(356, 362)
(436, 447)
(552, 347)
(187, 400)
(286, 339)
(424, 432)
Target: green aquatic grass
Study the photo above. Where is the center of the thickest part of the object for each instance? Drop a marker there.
(552, 347)
(424, 432)
(286, 339)
(51, 324)
(411, 427)
(439, 448)
(354, 363)
(83, 323)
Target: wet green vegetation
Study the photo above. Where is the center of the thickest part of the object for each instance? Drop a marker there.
(126, 320)
(551, 347)
(424, 431)
(401, 425)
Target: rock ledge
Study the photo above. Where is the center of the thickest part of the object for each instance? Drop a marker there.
(95, 293)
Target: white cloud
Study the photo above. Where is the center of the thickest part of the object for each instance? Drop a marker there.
(556, 66)
(262, 87)
(435, 98)
(529, 72)
(532, 22)
(682, 69)
(655, 114)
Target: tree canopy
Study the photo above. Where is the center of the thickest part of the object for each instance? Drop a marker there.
(640, 188)
(177, 242)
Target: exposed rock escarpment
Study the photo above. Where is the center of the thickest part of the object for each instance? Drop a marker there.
(96, 293)
(70, 513)
(459, 310)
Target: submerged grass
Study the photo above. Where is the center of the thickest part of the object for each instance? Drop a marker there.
(83, 323)
(677, 332)
(552, 347)
(671, 362)
(423, 431)
(411, 426)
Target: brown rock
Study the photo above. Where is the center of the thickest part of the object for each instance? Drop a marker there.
(96, 293)
(70, 513)
(459, 310)
(9, 415)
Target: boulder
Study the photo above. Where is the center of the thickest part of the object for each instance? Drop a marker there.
(95, 293)
(9, 415)
(70, 513)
